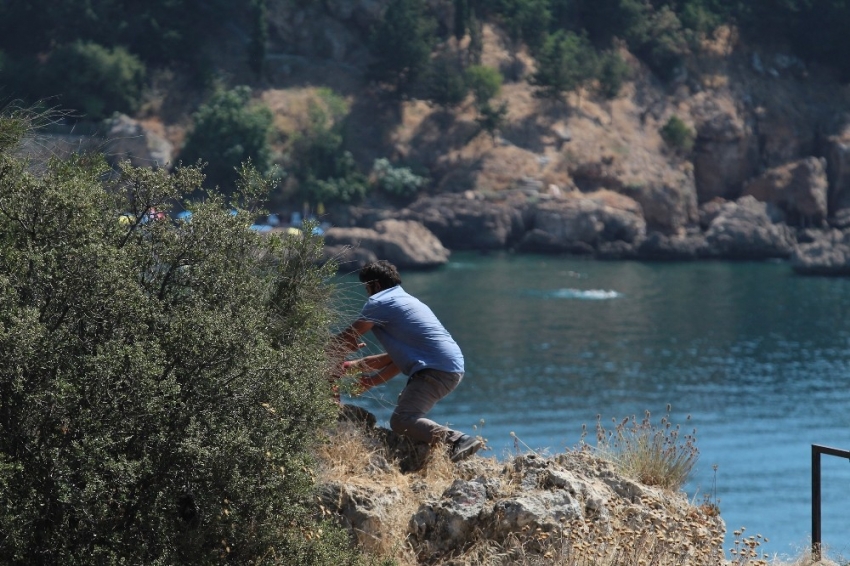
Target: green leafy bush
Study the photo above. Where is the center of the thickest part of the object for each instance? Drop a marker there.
(351, 187)
(612, 72)
(162, 382)
(157, 31)
(491, 118)
(678, 135)
(398, 181)
(325, 172)
(484, 82)
(229, 130)
(525, 20)
(661, 42)
(93, 80)
(603, 20)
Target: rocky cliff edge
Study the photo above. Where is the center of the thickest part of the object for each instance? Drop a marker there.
(404, 501)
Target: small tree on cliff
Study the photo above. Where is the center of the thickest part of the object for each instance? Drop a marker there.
(565, 62)
(485, 83)
(228, 130)
(402, 44)
(162, 382)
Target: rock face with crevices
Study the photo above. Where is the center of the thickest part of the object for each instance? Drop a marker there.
(405, 243)
(744, 229)
(543, 507)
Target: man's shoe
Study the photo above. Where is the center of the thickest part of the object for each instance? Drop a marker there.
(464, 447)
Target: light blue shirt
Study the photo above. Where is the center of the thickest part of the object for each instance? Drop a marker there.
(410, 332)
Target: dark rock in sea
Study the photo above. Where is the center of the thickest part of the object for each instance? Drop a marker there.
(469, 221)
(658, 246)
(583, 224)
(828, 255)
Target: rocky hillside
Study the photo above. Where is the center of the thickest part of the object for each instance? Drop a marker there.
(596, 176)
(751, 112)
(404, 502)
(582, 175)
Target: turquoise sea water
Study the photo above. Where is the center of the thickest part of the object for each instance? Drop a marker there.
(757, 356)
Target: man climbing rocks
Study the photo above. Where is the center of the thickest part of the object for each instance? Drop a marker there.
(417, 345)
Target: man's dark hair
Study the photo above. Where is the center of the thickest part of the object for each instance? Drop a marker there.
(381, 271)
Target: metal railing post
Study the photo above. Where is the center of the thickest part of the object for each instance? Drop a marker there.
(816, 534)
(817, 450)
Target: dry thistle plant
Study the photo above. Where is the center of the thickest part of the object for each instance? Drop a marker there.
(711, 503)
(660, 456)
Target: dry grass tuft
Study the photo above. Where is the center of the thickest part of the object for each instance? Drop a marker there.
(662, 456)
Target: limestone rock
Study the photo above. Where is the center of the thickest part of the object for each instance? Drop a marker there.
(130, 139)
(828, 255)
(546, 510)
(726, 152)
(798, 188)
(708, 211)
(658, 246)
(449, 522)
(838, 167)
(580, 224)
(405, 243)
(461, 223)
(667, 207)
(531, 499)
(744, 230)
(840, 219)
(362, 509)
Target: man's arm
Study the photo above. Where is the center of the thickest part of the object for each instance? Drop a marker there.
(349, 339)
(369, 363)
(384, 374)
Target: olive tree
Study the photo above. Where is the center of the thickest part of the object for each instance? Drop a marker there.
(163, 381)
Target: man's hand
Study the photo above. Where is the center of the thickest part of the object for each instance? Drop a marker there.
(349, 339)
(340, 367)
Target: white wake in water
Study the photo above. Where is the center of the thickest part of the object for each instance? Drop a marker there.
(585, 294)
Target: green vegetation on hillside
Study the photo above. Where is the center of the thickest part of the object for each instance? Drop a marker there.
(229, 129)
(322, 170)
(157, 31)
(96, 58)
(163, 383)
(402, 44)
(176, 33)
(678, 135)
